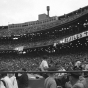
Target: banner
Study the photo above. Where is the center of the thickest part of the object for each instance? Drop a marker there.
(74, 37)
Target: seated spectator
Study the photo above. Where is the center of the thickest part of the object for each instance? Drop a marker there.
(50, 81)
(78, 64)
(61, 69)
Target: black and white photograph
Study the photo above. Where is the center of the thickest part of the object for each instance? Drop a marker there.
(43, 43)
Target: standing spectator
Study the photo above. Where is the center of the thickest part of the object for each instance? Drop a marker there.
(85, 81)
(43, 67)
(86, 69)
(74, 81)
(44, 64)
(23, 79)
(2, 83)
(50, 81)
(6, 80)
(13, 80)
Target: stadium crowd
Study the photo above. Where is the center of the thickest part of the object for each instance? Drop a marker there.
(76, 59)
(66, 61)
(47, 37)
(15, 62)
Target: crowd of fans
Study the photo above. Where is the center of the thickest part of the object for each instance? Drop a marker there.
(32, 63)
(65, 60)
(15, 62)
(45, 37)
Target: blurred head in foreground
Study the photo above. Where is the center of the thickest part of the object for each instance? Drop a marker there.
(51, 69)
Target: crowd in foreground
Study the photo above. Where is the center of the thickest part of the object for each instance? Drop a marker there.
(51, 80)
(72, 80)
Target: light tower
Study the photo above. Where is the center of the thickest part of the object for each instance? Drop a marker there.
(48, 9)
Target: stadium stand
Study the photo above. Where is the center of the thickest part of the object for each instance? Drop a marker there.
(63, 40)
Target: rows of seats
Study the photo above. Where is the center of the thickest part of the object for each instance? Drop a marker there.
(43, 26)
(45, 37)
(51, 46)
(80, 23)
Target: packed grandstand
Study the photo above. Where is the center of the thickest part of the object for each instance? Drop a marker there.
(63, 39)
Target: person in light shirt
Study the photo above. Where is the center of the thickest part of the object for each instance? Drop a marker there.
(13, 80)
(43, 67)
(44, 64)
(6, 80)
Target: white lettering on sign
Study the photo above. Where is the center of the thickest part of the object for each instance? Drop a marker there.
(74, 37)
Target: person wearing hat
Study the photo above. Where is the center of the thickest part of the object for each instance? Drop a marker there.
(50, 81)
(23, 79)
(86, 69)
(74, 81)
(85, 81)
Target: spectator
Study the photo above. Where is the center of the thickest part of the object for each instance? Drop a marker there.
(50, 81)
(44, 65)
(6, 80)
(16, 75)
(61, 69)
(85, 81)
(23, 79)
(13, 80)
(86, 69)
(74, 81)
(78, 63)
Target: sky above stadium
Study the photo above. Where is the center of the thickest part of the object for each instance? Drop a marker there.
(19, 11)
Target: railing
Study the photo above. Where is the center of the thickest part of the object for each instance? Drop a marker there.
(43, 72)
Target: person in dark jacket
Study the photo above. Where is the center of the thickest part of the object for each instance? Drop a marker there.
(23, 79)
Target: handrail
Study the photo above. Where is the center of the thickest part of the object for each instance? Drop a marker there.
(42, 72)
